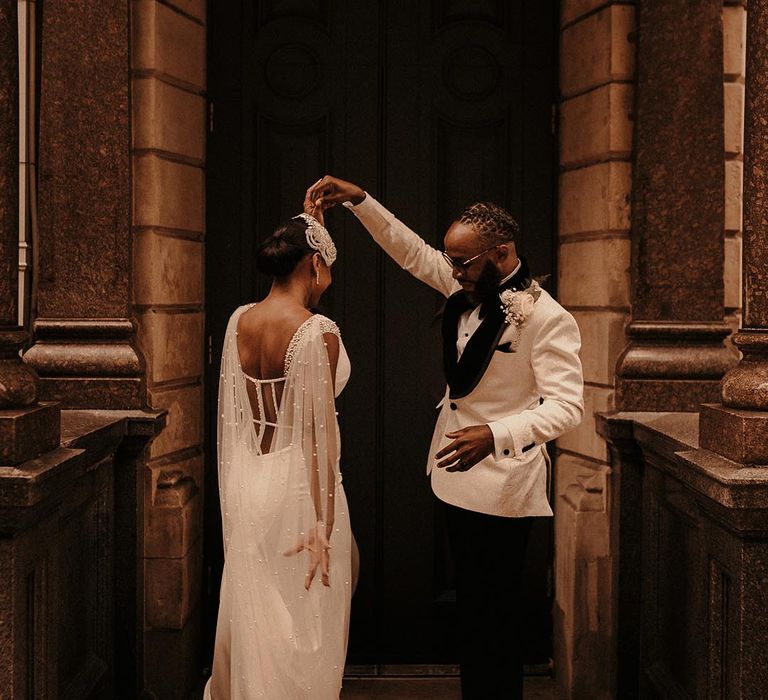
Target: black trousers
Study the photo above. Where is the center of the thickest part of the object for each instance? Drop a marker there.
(488, 553)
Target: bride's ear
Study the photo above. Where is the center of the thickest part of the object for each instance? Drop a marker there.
(315, 267)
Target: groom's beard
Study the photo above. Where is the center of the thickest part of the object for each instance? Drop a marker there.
(487, 284)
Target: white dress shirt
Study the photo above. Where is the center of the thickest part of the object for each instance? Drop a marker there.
(469, 322)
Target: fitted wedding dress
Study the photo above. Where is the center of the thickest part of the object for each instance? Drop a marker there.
(278, 455)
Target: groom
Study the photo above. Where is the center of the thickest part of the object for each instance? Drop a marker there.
(510, 355)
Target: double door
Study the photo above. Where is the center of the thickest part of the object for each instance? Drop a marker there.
(429, 106)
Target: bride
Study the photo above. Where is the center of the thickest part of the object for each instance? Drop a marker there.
(287, 582)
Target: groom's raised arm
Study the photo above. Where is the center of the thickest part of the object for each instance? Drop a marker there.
(405, 247)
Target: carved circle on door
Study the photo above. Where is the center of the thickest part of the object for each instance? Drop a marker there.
(292, 71)
(471, 73)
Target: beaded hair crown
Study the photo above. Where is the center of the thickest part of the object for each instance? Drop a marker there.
(319, 239)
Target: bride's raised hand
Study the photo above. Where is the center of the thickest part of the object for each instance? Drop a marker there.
(318, 211)
(329, 191)
(316, 543)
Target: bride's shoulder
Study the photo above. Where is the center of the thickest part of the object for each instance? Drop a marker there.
(326, 325)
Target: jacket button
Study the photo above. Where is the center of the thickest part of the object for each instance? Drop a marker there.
(453, 406)
(506, 452)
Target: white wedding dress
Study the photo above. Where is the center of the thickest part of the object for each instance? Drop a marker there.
(278, 455)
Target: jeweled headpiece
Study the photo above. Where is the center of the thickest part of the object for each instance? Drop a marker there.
(319, 239)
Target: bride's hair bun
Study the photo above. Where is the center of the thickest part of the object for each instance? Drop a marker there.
(279, 254)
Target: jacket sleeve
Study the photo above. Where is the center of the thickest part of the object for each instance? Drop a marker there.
(557, 372)
(405, 247)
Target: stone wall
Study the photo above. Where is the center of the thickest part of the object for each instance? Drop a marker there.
(168, 60)
(596, 86)
(596, 157)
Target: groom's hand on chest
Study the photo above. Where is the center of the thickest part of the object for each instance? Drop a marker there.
(468, 447)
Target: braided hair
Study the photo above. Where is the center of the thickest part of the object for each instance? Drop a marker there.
(493, 224)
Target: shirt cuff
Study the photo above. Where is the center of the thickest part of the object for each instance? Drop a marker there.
(361, 206)
(503, 443)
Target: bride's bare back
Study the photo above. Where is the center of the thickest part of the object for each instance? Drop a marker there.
(263, 334)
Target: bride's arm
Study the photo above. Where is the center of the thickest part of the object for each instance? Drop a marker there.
(325, 445)
(326, 510)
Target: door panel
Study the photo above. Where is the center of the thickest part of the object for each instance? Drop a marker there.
(429, 106)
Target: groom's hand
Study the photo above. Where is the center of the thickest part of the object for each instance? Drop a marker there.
(470, 445)
(313, 209)
(329, 191)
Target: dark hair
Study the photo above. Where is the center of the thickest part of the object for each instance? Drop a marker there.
(494, 224)
(279, 254)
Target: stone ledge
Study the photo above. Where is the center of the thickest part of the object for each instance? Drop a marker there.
(674, 439)
(86, 438)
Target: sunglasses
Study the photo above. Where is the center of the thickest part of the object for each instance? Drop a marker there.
(464, 266)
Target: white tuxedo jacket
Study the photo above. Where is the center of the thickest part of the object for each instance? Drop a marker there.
(535, 391)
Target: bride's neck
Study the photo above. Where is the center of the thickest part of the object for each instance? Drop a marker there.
(289, 291)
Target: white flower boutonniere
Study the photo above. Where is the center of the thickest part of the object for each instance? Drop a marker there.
(518, 306)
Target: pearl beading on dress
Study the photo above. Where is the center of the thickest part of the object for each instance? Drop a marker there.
(326, 326)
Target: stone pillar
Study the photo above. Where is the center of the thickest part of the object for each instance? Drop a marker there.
(84, 350)
(738, 429)
(26, 430)
(676, 357)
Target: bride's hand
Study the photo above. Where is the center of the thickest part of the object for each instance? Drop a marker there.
(329, 191)
(316, 543)
(318, 211)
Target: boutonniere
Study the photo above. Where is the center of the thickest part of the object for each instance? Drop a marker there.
(518, 306)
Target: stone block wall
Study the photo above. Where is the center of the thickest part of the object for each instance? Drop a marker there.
(168, 81)
(596, 88)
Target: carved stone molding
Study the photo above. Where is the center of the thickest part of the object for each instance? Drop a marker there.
(88, 363)
(675, 366)
(746, 385)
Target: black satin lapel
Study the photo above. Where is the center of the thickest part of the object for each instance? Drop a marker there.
(463, 376)
(477, 354)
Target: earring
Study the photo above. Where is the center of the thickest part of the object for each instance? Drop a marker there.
(317, 276)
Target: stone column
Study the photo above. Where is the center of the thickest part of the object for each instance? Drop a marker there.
(676, 357)
(738, 429)
(84, 350)
(26, 430)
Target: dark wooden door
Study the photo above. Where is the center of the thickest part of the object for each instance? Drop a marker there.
(429, 106)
